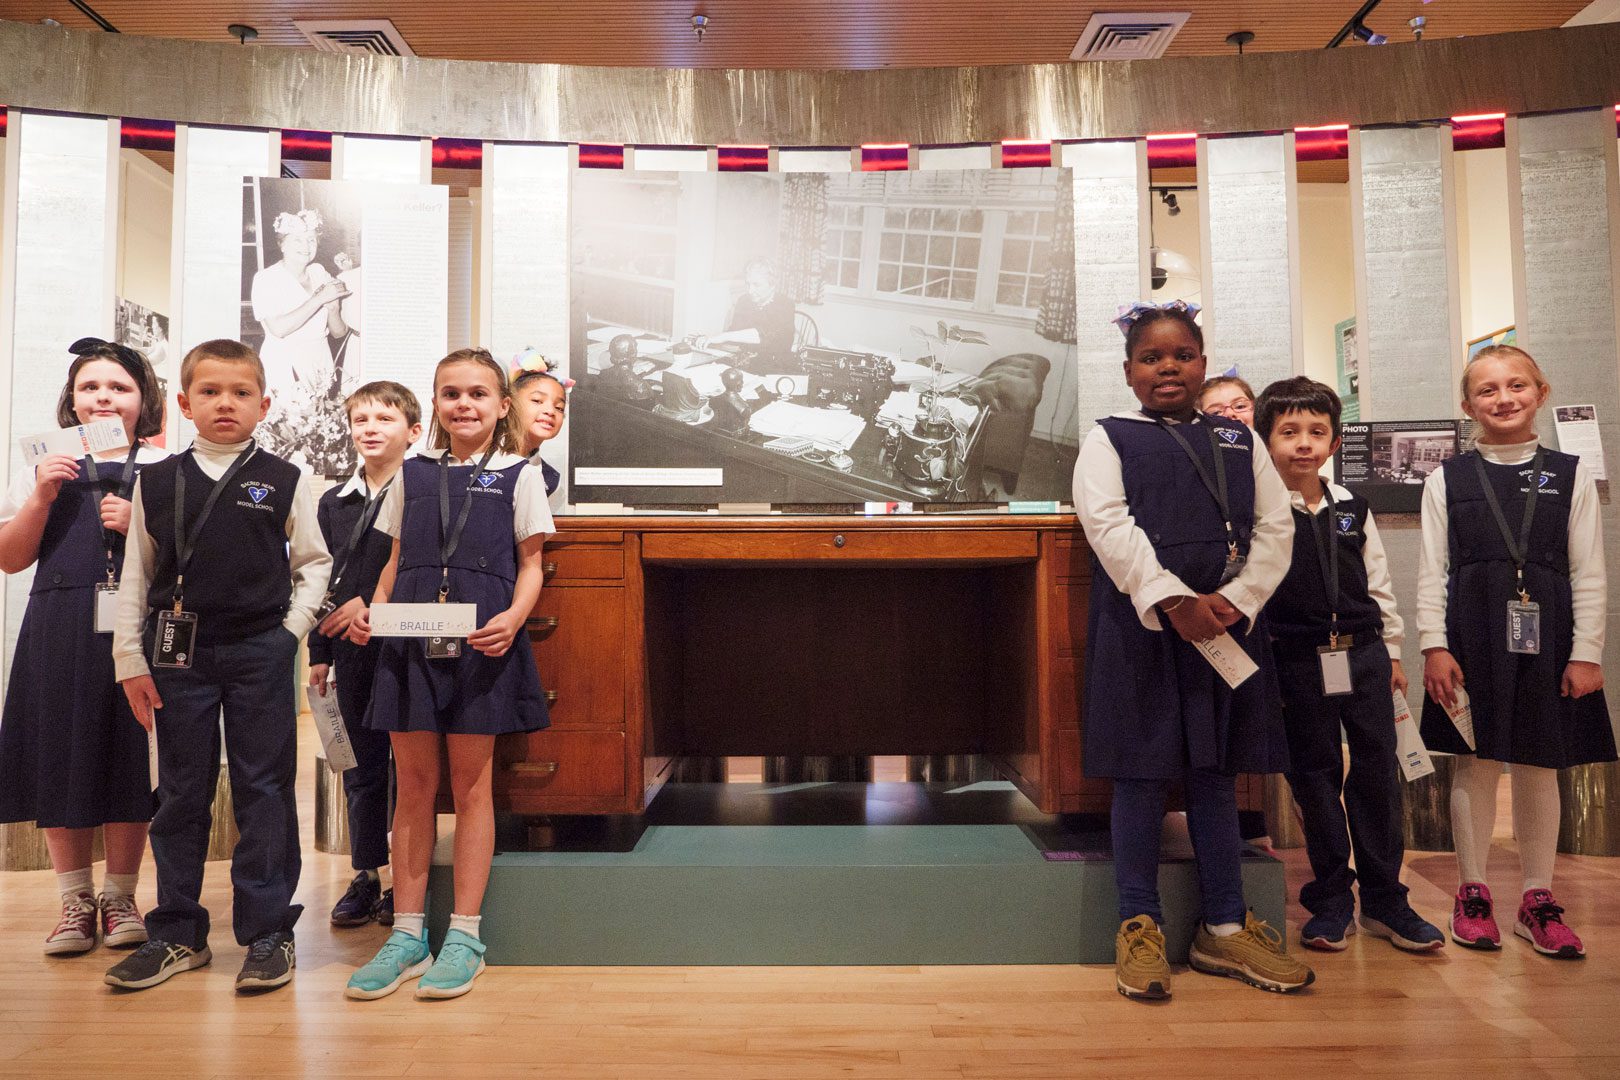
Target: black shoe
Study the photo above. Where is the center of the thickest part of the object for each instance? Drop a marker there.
(154, 962)
(357, 905)
(384, 911)
(269, 964)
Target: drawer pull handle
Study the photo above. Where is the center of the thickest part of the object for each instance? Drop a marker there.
(534, 768)
(551, 697)
(838, 541)
(546, 623)
(548, 568)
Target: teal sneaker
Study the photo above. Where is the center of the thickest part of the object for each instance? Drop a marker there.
(401, 957)
(461, 960)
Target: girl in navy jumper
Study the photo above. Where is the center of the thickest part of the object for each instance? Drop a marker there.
(1509, 525)
(72, 756)
(1188, 524)
(457, 704)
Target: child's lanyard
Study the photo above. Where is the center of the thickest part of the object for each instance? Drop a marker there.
(1216, 486)
(1328, 562)
(449, 541)
(1516, 548)
(126, 485)
(368, 518)
(186, 543)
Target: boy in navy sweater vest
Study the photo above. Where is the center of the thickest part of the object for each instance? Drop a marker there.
(223, 573)
(384, 420)
(1337, 641)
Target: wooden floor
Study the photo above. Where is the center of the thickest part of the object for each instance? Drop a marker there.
(1373, 1011)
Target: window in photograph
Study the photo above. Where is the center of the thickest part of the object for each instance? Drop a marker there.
(932, 252)
(1025, 253)
(843, 244)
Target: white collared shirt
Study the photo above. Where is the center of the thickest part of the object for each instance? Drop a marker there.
(1376, 564)
(309, 561)
(1588, 578)
(531, 515)
(1127, 555)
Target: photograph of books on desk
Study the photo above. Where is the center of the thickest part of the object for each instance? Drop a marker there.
(812, 338)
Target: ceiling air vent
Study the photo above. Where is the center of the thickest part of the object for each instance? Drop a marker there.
(1128, 35)
(354, 35)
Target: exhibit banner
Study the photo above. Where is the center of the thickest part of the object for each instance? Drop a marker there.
(333, 271)
(1388, 462)
(823, 337)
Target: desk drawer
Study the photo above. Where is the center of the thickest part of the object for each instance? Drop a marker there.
(590, 563)
(578, 640)
(564, 763)
(896, 546)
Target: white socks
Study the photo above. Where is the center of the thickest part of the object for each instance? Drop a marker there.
(1223, 929)
(1535, 817)
(410, 923)
(467, 924)
(75, 882)
(120, 885)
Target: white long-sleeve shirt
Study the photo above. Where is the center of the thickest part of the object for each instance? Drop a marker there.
(1588, 577)
(1376, 563)
(310, 563)
(1127, 554)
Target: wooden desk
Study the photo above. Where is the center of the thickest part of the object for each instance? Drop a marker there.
(662, 637)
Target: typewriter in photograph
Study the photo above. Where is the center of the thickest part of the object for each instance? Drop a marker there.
(860, 382)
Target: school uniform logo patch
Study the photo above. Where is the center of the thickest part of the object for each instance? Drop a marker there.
(1229, 435)
(486, 479)
(1347, 522)
(258, 492)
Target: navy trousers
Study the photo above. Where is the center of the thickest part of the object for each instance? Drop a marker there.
(1212, 822)
(366, 786)
(1368, 820)
(251, 682)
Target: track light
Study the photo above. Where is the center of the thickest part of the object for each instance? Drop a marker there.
(1365, 34)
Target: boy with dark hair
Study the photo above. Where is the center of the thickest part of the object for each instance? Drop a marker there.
(1337, 638)
(223, 572)
(384, 420)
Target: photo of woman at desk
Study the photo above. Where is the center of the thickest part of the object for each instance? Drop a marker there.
(762, 316)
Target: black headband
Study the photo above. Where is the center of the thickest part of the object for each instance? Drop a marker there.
(126, 357)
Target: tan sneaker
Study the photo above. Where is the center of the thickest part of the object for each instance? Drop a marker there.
(1253, 954)
(1140, 969)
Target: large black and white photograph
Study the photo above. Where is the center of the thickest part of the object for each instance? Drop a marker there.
(823, 337)
(301, 311)
(1388, 462)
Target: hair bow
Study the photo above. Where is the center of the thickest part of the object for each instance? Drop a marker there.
(1129, 313)
(533, 361)
(126, 355)
(305, 221)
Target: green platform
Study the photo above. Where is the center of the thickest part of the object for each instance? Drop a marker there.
(824, 894)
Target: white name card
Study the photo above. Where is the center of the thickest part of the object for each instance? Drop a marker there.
(74, 441)
(1228, 659)
(329, 725)
(424, 620)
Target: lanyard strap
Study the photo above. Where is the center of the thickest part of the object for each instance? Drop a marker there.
(1328, 560)
(125, 486)
(1516, 548)
(186, 543)
(1215, 485)
(368, 517)
(449, 540)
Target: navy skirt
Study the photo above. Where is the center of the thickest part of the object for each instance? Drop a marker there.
(472, 695)
(72, 755)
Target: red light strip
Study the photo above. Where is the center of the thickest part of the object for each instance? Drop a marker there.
(885, 157)
(1484, 131)
(458, 153)
(743, 158)
(1177, 150)
(1026, 154)
(600, 156)
(1324, 142)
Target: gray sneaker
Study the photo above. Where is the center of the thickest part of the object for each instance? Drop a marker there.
(269, 964)
(155, 962)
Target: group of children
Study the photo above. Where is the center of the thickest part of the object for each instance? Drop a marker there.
(1260, 565)
(179, 587)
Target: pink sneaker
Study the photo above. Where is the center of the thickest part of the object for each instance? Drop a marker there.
(121, 923)
(1472, 924)
(76, 932)
(1541, 923)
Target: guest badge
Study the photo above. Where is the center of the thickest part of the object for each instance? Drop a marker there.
(329, 725)
(1524, 627)
(176, 639)
(1335, 661)
(1228, 659)
(75, 442)
(106, 606)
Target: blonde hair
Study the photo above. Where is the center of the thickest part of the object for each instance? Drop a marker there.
(504, 439)
(1491, 352)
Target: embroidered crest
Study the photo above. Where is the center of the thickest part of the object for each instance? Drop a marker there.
(257, 492)
(1346, 522)
(1231, 435)
(1544, 480)
(486, 479)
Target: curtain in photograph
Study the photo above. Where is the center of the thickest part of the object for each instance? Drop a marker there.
(803, 235)
(1055, 321)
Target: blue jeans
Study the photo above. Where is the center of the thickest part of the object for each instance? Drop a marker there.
(1137, 816)
(251, 682)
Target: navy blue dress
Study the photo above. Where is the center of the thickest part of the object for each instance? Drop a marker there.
(72, 755)
(1519, 715)
(475, 694)
(1154, 707)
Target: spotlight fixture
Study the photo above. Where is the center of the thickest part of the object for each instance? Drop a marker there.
(242, 32)
(1170, 202)
(1239, 38)
(700, 23)
(1417, 24)
(1366, 34)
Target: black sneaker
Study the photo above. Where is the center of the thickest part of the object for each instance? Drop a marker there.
(384, 911)
(357, 905)
(154, 962)
(269, 964)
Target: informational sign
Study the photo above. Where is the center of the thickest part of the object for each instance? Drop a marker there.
(1387, 463)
